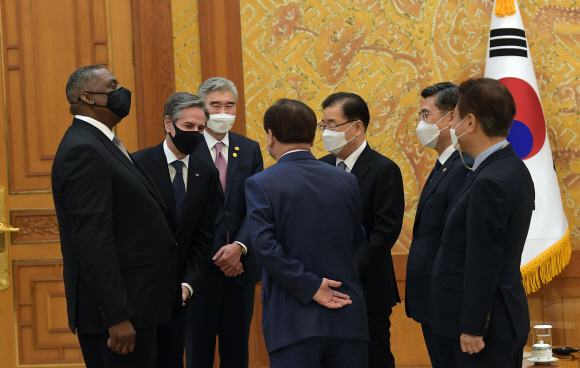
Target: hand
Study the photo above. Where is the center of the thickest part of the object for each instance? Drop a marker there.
(228, 256)
(184, 294)
(329, 298)
(122, 337)
(471, 344)
(238, 269)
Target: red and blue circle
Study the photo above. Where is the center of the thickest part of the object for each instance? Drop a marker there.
(528, 131)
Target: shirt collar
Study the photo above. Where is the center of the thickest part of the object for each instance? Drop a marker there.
(170, 156)
(485, 154)
(211, 141)
(296, 150)
(351, 160)
(97, 124)
(446, 154)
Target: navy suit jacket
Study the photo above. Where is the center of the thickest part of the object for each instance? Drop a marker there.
(117, 247)
(194, 232)
(436, 196)
(305, 224)
(383, 206)
(476, 286)
(231, 207)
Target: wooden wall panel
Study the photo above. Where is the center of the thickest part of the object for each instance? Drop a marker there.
(35, 226)
(43, 45)
(42, 327)
(154, 69)
(221, 49)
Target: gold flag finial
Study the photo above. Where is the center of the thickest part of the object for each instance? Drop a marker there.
(505, 7)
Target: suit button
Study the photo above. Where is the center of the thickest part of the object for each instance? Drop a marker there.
(414, 237)
(227, 213)
(175, 245)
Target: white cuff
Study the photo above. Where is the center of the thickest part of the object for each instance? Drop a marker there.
(189, 288)
(245, 249)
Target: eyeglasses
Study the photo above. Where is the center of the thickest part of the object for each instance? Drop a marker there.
(425, 115)
(332, 128)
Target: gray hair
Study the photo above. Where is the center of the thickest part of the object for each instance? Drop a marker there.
(181, 100)
(446, 92)
(217, 84)
(80, 80)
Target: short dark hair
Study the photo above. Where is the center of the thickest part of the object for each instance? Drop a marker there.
(291, 121)
(446, 93)
(81, 80)
(490, 102)
(353, 106)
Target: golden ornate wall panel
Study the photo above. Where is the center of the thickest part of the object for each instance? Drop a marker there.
(42, 45)
(387, 52)
(35, 226)
(186, 45)
(43, 333)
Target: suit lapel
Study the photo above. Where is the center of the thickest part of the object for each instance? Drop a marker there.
(362, 164)
(163, 179)
(203, 151)
(232, 165)
(430, 187)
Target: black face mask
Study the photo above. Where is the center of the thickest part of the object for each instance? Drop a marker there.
(186, 141)
(118, 101)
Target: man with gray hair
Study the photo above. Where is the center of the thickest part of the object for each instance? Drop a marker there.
(118, 251)
(224, 304)
(174, 169)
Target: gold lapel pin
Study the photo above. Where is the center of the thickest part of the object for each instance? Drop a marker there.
(196, 174)
(235, 154)
(236, 148)
(444, 169)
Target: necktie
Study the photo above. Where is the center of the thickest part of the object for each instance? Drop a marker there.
(120, 146)
(178, 187)
(438, 165)
(220, 163)
(341, 165)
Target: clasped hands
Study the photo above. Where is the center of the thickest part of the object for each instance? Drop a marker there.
(471, 344)
(228, 259)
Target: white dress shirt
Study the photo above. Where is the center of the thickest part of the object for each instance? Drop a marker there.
(170, 156)
(211, 142)
(97, 124)
(446, 154)
(351, 160)
(296, 150)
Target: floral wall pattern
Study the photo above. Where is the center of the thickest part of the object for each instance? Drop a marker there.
(387, 51)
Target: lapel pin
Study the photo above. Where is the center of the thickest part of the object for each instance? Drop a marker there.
(444, 169)
(196, 174)
(236, 148)
(235, 154)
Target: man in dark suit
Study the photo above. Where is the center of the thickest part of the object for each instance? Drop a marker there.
(447, 176)
(175, 170)
(224, 304)
(479, 306)
(344, 124)
(305, 224)
(118, 251)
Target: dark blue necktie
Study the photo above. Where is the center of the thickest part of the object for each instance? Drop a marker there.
(178, 188)
(438, 165)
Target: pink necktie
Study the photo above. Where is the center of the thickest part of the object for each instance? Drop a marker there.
(220, 163)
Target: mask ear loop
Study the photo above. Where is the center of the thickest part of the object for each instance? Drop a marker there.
(469, 168)
(442, 119)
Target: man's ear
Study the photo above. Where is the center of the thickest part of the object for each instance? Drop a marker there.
(166, 124)
(471, 120)
(86, 97)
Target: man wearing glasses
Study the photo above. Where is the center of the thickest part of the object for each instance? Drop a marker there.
(344, 124)
(442, 184)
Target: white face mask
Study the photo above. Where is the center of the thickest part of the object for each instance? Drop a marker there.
(221, 123)
(455, 138)
(429, 133)
(334, 142)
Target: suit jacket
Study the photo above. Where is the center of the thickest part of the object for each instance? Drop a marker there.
(117, 247)
(231, 207)
(436, 196)
(195, 231)
(383, 205)
(305, 223)
(476, 287)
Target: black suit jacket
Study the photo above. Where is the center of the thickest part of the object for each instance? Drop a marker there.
(117, 247)
(476, 287)
(433, 203)
(194, 232)
(231, 207)
(382, 206)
